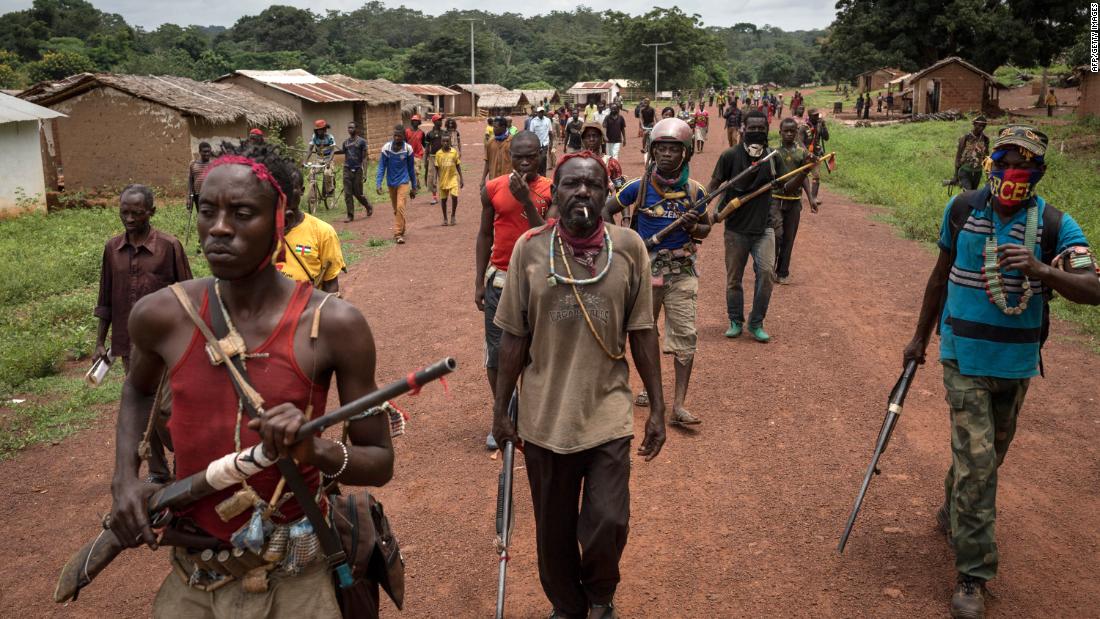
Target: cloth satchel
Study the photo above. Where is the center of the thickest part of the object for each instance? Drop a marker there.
(358, 521)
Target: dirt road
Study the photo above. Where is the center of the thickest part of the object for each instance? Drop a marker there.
(739, 519)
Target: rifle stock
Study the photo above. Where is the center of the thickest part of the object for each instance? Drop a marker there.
(91, 559)
(893, 412)
(505, 517)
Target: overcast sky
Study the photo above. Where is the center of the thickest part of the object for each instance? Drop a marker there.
(785, 14)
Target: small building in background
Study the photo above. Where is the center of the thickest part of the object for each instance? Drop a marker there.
(594, 92)
(310, 97)
(122, 129)
(955, 84)
(439, 98)
(466, 103)
(1088, 103)
(548, 98)
(23, 183)
(384, 107)
(876, 79)
(506, 103)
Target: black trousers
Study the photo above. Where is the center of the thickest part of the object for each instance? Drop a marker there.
(787, 214)
(579, 549)
(353, 188)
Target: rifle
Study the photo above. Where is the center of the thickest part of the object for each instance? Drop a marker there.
(816, 143)
(94, 556)
(737, 202)
(505, 516)
(192, 204)
(656, 239)
(893, 412)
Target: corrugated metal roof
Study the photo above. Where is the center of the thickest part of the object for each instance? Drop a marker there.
(17, 110)
(429, 89)
(375, 92)
(582, 87)
(303, 84)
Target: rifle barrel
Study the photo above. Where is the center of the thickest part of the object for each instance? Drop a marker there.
(893, 413)
(504, 507)
(736, 203)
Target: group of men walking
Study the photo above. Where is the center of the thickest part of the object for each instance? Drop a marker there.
(563, 289)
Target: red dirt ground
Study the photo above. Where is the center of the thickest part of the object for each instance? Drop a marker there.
(739, 519)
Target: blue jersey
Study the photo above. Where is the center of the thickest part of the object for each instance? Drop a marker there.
(657, 212)
(975, 332)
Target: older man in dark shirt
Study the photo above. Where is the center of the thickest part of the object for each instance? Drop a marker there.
(354, 150)
(138, 262)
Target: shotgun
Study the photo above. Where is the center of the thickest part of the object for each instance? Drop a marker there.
(701, 205)
(737, 202)
(90, 560)
(893, 412)
(505, 515)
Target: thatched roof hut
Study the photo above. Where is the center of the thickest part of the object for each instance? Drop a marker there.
(151, 126)
(509, 102)
(386, 104)
(466, 103)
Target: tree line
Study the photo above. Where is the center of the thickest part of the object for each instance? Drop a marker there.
(56, 38)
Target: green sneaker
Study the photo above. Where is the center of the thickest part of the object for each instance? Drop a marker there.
(759, 334)
(734, 330)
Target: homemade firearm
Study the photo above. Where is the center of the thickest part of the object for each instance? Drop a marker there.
(737, 202)
(893, 412)
(505, 516)
(90, 560)
(701, 205)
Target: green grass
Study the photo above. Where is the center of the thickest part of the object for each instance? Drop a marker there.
(48, 289)
(901, 167)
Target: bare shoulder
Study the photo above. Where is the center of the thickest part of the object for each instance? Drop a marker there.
(340, 321)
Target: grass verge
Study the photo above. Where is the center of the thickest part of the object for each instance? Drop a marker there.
(901, 167)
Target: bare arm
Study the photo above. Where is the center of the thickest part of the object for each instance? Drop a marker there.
(1077, 285)
(331, 286)
(959, 152)
(513, 355)
(647, 358)
(935, 291)
(483, 248)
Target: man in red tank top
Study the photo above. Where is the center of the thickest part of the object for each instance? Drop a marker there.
(510, 205)
(240, 221)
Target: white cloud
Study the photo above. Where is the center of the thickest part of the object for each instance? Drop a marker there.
(785, 14)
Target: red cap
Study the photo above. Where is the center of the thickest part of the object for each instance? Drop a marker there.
(320, 124)
(255, 131)
(415, 117)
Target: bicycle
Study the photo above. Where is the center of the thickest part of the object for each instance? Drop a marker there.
(315, 184)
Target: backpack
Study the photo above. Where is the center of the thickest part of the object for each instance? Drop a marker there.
(1048, 247)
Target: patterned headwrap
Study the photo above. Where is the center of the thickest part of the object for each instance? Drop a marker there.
(264, 175)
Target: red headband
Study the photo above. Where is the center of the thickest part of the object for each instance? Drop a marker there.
(584, 154)
(264, 175)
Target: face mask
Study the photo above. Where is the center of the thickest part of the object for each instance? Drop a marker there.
(1013, 186)
(756, 137)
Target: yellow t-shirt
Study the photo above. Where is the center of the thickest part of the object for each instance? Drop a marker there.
(446, 165)
(315, 243)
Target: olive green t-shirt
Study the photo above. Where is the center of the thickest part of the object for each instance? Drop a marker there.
(574, 397)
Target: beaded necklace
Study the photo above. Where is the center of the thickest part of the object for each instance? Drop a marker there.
(576, 293)
(555, 278)
(991, 272)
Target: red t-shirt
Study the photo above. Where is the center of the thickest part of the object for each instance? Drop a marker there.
(416, 140)
(509, 222)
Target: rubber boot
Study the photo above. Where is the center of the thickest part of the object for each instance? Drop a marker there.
(968, 602)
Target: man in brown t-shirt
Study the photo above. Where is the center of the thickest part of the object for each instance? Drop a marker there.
(576, 291)
(498, 156)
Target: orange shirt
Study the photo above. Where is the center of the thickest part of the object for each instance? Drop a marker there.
(509, 222)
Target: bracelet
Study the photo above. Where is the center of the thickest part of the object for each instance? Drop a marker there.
(343, 467)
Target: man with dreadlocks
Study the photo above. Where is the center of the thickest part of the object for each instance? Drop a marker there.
(293, 350)
(1003, 250)
(577, 290)
(664, 194)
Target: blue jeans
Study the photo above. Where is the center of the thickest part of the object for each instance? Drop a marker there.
(738, 248)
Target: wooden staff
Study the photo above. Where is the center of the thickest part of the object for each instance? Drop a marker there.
(737, 202)
(701, 205)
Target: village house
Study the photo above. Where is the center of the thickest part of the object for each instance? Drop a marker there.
(384, 106)
(122, 129)
(548, 98)
(466, 103)
(954, 84)
(1089, 88)
(876, 79)
(594, 92)
(439, 98)
(309, 96)
(506, 102)
(23, 184)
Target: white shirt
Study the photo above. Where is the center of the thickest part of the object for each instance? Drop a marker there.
(600, 117)
(541, 127)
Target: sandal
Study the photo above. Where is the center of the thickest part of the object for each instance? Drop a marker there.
(642, 399)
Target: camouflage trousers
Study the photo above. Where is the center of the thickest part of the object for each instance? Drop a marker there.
(983, 421)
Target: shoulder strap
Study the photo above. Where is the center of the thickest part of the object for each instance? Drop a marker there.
(330, 543)
(961, 205)
(1052, 228)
